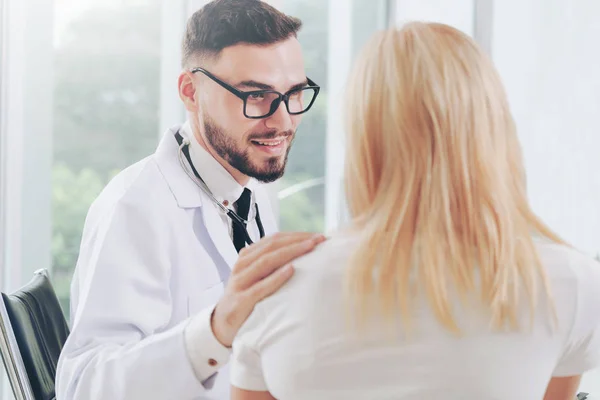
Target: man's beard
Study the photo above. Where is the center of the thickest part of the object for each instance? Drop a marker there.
(228, 150)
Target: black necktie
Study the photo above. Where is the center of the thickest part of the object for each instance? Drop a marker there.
(243, 208)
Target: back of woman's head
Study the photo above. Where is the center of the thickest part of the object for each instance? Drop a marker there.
(435, 179)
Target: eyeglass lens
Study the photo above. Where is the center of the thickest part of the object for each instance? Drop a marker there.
(260, 104)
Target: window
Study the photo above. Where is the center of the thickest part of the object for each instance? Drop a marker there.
(106, 110)
(332, 33)
(301, 190)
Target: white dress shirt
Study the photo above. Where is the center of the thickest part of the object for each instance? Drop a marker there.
(200, 340)
(297, 344)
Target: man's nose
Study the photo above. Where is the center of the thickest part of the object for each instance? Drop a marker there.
(281, 120)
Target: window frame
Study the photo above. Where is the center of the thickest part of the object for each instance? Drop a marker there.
(26, 147)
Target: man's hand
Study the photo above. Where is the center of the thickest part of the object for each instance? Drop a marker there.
(261, 269)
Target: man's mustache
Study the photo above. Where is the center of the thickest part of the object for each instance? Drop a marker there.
(271, 135)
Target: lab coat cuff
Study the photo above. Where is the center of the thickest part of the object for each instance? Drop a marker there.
(206, 354)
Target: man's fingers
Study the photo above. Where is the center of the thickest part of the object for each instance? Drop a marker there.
(269, 262)
(277, 240)
(270, 284)
(250, 254)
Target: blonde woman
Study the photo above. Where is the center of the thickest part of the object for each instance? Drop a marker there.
(445, 285)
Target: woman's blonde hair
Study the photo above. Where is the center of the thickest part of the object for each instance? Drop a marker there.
(435, 181)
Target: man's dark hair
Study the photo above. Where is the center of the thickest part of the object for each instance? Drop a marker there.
(223, 23)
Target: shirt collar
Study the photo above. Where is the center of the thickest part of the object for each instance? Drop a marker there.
(219, 181)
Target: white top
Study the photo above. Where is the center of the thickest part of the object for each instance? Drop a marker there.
(297, 344)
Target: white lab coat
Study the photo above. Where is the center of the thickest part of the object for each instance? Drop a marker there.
(154, 253)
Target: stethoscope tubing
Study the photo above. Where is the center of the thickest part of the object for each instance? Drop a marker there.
(194, 176)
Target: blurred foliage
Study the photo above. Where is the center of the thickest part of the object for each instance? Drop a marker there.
(72, 194)
(107, 78)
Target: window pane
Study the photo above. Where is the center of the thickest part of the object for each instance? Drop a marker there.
(302, 190)
(106, 100)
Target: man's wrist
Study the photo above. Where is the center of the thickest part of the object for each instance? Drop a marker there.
(219, 332)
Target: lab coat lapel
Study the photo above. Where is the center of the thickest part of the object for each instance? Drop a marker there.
(218, 231)
(185, 191)
(189, 195)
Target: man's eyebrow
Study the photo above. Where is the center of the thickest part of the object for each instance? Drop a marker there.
(255, 84)
(299, 85)
(264, 86)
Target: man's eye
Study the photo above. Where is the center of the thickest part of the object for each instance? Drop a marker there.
(296, 94)
(257, 96)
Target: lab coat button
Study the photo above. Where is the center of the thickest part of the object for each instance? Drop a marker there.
(225, 203)
(212, 362)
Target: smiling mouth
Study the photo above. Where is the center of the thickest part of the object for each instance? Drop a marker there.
(271, 147)
(269, 142)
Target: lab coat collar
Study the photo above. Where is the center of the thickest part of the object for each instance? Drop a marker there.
(188, 195)
(185, 191)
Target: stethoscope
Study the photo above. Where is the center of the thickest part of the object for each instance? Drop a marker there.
(184, 150)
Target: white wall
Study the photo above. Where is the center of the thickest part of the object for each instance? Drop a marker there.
(458, 13)
(550, 63)
(551, 71)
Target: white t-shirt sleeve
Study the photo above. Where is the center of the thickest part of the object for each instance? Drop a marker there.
(582, 349)
(246, 367)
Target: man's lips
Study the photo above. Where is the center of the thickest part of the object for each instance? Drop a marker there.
(270, 142)
(272, 147)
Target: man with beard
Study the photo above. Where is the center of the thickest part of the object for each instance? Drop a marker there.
(159, 290)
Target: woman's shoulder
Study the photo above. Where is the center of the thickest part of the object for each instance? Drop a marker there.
(334, 251)
(563, 262)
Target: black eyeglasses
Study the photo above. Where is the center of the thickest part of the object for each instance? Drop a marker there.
(263, 103)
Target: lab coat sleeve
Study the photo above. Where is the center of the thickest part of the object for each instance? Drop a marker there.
(122, 345)
(205, 352)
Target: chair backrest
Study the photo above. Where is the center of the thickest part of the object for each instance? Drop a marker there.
(11, 357)
(39, 330)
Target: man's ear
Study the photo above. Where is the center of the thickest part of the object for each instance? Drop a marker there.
(187, 91)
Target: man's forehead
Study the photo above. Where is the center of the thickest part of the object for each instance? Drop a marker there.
(276, 64)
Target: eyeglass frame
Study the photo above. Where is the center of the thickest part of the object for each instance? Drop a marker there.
(243, 95)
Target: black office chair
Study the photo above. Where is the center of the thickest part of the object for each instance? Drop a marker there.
(34, 331)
